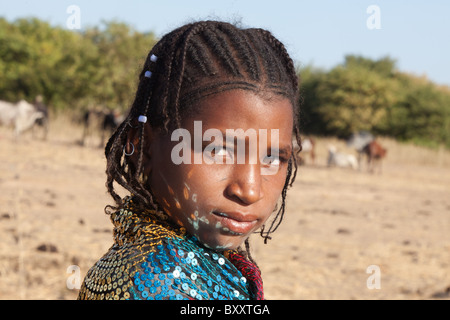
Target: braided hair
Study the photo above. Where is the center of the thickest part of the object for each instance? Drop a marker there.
(194, 61)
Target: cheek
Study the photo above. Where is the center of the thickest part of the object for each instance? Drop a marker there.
(178, 190)
(275, 183)
(273, 188)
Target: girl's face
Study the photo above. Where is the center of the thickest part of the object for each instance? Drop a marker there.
(218, 195)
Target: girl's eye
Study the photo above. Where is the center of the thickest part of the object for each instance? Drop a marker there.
(218, 153)
(274, 161)
(271, 165)
(222, 151)
(271, 161)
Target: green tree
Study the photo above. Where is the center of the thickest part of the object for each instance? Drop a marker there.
(37, 59)
(384, 66)
(422, 114)
(122, 52)
(311, 119)
(70, 69)
(353, 97)
(366, 94)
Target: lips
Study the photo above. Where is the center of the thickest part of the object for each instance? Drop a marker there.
(234, 222)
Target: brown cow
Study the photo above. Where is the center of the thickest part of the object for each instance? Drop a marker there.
(375, 153)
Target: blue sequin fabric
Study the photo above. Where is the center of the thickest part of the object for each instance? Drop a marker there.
(153, 259)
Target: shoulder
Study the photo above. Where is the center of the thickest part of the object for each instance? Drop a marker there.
(112, 276)
(172, 269)
(135, 273)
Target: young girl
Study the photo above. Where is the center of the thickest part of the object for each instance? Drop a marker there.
(196, 194)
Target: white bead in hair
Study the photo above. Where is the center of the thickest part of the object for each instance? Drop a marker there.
(153, 58)
(148, 74)
(142, 119)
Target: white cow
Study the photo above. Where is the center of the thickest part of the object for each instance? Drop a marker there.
(308, 146)
(21, 115)
(339, 159)
(359, 140)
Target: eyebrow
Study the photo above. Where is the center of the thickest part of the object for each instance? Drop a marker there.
(285, 151)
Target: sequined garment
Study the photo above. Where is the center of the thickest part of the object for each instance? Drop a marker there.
(153, 259)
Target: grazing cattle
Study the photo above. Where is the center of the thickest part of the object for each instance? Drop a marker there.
(308, 146)
(375, 153)
(102, 121)
(42, 122)
(339, 159)
(21, 115)
(358, 141)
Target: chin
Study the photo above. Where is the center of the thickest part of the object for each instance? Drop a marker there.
(221, 243)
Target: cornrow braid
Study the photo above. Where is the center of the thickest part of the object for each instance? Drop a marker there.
(243, 48)
(194, 61)
(276, 44)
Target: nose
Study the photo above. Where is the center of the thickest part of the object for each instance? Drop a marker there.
(245, 184)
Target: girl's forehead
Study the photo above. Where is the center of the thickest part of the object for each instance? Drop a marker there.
(243, 107)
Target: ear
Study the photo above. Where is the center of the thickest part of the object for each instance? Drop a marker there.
(134, 139)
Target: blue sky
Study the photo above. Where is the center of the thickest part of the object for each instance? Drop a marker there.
(415, 33)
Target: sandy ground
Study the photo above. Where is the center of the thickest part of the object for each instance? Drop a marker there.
(346, 234)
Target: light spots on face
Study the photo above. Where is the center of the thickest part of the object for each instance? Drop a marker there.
(166, 203)
(204, 219)
(179, 222)
(186, 191)
(178, 199)
(189, 175)
(224, 247)
(207, 246)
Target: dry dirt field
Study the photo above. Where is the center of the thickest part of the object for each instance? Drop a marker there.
(346, 234)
